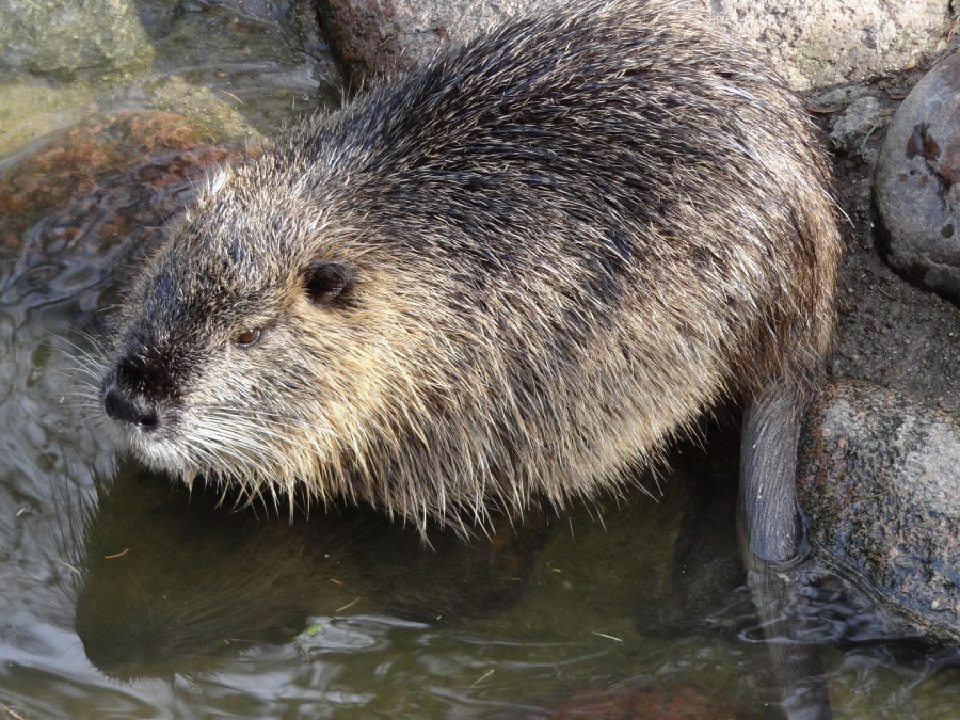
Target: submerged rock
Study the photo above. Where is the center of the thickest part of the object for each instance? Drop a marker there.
(880, 483)
(83, 205)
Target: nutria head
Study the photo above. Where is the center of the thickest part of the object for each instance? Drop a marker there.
(254, 345)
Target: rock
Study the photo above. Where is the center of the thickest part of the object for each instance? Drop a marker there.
(76, 209)
(370, 37)
(814, 42)
(61, 40)
(880, 483)
(823, 42)
(242, 68)
(855, 123)
(297, 20)
(915, 183)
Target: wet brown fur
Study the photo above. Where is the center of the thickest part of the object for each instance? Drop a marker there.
(569, 240)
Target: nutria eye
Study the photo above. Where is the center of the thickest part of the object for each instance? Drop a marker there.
(248, 338)
(328, 283)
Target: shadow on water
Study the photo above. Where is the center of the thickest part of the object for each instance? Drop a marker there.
(174, 582)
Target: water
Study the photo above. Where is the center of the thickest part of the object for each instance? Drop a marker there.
(121, 594)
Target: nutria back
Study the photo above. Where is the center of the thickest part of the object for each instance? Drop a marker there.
(512, 274)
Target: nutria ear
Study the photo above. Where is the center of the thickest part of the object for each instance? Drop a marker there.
(328, 283)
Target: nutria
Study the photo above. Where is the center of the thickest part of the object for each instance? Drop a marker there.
(512, 274)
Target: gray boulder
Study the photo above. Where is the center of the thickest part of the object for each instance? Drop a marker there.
(916, 189)
(880, 484)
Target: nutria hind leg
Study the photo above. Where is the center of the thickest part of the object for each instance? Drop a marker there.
(770, 539)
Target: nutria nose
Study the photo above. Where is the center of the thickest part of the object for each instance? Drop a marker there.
(131, 409)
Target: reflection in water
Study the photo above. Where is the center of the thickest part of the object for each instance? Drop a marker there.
(170, 581)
